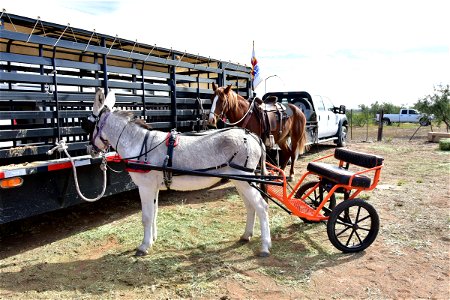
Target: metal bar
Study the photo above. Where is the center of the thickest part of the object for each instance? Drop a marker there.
(55, 95)
(141, 166)
(105, 67)
(173, 94)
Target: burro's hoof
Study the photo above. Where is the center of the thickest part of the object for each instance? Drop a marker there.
(140, 253)
(244, 239)
(264, 254)
(290, 178)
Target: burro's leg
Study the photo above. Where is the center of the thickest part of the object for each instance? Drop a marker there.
(155, 216)
(255, 203)
(149, 201)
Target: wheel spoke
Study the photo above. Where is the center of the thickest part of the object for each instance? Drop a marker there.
(365, 218)
(365, 229)
(344, 230)
(359, 238)
(341, 222)
(349, 238)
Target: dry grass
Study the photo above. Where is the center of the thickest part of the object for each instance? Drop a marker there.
(87, 251)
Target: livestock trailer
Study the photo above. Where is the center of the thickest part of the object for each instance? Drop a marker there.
(48, 77)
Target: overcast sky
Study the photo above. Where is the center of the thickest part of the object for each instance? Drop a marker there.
(354, 52)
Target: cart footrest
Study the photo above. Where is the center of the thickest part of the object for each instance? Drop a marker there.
(302, 207)
(275, 191)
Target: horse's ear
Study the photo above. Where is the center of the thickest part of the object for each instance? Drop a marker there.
(214, 86)
(227, 89)
(110, 100)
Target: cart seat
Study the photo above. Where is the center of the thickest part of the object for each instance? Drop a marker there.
(338, 174)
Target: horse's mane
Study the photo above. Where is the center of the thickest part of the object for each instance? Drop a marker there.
(132, 118)
(233, 101)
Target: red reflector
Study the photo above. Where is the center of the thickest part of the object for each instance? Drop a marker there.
(60, 166)
(11, 182)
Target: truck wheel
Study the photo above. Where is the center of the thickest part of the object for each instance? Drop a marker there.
(386, 122)
(342, 136)
(353, 225)
(424, 122)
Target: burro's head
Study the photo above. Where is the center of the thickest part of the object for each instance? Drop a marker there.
(93, 124)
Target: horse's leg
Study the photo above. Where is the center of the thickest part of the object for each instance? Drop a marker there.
(148, 194)
(251, 196)
(287, 153)
(293, 153)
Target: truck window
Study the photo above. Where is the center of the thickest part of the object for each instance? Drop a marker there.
(413, 112)
(328, 104)
(320, 104)
(404, 112)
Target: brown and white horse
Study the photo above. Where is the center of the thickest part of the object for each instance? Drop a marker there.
(225, 102)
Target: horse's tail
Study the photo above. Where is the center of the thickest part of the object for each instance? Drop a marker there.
(300, 122)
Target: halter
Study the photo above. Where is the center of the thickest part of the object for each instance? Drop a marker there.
(93, 122)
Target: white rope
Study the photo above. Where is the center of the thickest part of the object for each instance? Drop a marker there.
(61, 146)
(248, 111)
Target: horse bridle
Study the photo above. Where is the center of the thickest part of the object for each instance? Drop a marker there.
(96, 123)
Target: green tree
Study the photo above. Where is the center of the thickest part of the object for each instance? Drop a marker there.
(437, 104)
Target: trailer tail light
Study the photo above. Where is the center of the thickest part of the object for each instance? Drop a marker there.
(11, 182)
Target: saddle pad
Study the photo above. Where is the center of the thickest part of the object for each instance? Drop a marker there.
(338, 175)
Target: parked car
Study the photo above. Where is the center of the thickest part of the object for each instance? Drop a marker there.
(406, 115)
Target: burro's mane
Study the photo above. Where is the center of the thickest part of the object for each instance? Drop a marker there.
(132, 119)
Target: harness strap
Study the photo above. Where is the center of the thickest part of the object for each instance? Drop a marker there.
(144, 145)
(171, 142)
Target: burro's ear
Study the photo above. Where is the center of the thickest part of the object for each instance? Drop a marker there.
(99, 101)
(214, 86)
(99, 96)
(110, 100)
(227, 89)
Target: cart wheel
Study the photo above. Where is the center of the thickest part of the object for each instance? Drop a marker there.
(316, 197)
(353, 225)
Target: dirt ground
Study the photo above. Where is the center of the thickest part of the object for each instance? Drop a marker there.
(87, 251)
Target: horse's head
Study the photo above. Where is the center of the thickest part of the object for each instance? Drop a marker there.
(220, 103)
(94, 124)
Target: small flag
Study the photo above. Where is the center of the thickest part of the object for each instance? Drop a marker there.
(256, 75)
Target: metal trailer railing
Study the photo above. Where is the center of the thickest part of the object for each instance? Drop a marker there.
(49, 72)
(48, 77)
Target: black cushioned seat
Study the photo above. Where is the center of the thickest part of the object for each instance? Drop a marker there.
(338, 175)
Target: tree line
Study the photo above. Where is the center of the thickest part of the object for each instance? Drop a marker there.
(436, 104)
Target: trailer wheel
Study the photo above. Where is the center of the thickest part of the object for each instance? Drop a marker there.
(353, 225)
(315, 198)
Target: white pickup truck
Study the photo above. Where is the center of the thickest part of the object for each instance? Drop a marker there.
(406, 115)
(324, 121)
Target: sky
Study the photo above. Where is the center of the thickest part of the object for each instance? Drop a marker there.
(354, 52)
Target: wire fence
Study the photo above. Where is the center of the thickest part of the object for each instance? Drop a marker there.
(364, 127)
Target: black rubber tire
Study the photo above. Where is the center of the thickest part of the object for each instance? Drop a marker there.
(386, 122)
(424, 123)
(316, 198)
(353, 225)
(342, 136)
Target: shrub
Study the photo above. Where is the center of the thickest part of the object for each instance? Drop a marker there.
(444, 144)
